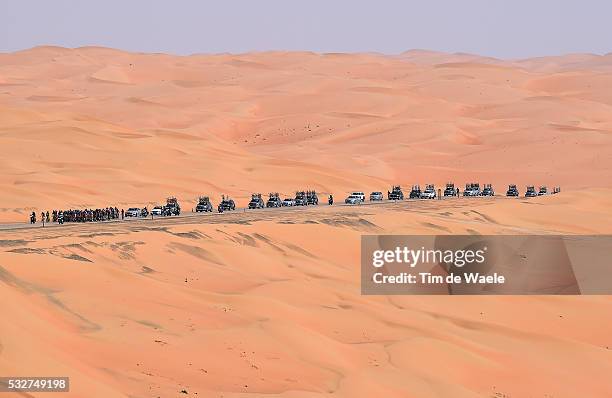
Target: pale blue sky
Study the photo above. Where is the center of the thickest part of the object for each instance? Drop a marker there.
(500, 28)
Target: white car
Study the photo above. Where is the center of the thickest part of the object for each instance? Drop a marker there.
(157, 211)
(376, 196)
(289, 202)
(471, 192)
(429, 192)
(360, 195)
(353, 199)
(133, 212)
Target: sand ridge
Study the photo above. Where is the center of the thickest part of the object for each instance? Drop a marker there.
(281, 121)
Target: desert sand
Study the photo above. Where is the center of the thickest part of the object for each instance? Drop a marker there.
(268, 303)
(92, 127)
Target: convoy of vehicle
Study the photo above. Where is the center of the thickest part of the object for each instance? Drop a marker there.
(309, 197)
(305, 198)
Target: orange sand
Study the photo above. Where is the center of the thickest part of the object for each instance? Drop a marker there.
(267, 303)
(96, 126)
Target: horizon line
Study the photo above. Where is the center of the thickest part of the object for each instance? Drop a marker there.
(439, 52)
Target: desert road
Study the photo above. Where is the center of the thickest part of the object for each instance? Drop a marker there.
(244, 214)
(446, 210)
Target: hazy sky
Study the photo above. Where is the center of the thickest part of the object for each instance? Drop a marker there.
(500, 28)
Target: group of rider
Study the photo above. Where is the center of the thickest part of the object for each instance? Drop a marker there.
(86, 215)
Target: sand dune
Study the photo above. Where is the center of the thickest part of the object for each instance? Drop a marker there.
(257, 304)
(214, 305)
(346, 121)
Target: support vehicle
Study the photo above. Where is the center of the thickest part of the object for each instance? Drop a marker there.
(133, 212)
(226, 204)
(395, 194)
(488, 190)
(288, 202)
(274, 200)
(204, 205)
(512, 191)
(353, 199)
(376, 196)
(450, 190)
(301, 199)
(429, 192)
(360, 195)
(312, 198)
(531, 192)
(415, 192)
(472, 189)
(172, 207)
(256, 202)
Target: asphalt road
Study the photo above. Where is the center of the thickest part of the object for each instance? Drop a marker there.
(238, 214)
